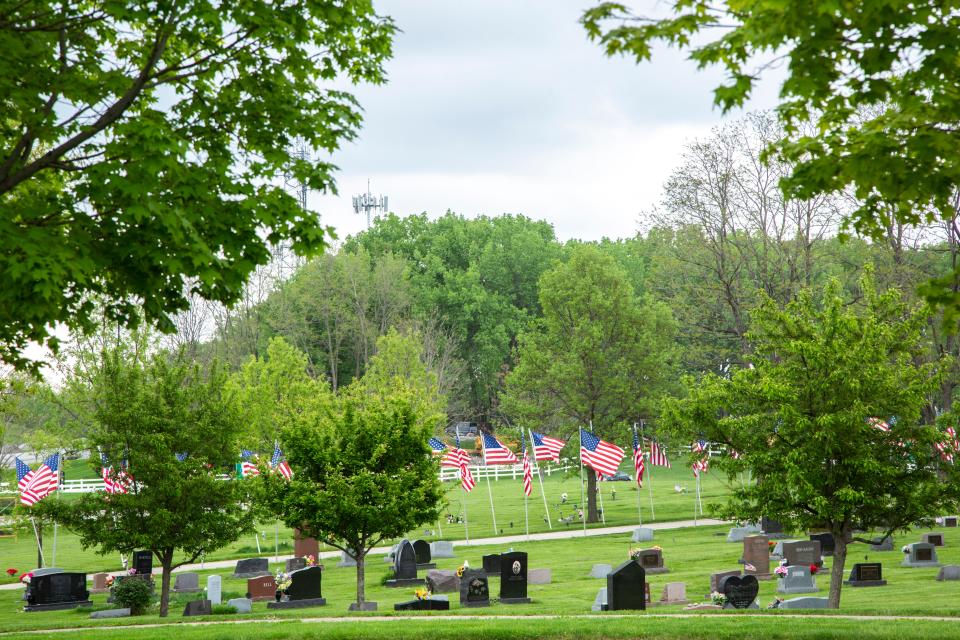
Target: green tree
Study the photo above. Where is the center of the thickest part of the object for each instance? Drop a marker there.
(800, 418)
(147, 413)
(142, 143)
(362, 473)
(599, 356)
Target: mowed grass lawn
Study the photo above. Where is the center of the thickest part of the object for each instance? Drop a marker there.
(691, 554)
(619, 500)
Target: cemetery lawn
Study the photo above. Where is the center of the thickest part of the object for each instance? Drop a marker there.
(691, 554)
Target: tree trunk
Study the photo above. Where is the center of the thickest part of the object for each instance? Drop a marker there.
(592, 515)
(836, 573)
(361, 582)
(165, 587)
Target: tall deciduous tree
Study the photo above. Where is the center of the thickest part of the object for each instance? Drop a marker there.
(599, 356)
(802, 416)
(147, 413)
(141, 144)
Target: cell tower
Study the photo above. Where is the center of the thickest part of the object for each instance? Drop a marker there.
(366, 202)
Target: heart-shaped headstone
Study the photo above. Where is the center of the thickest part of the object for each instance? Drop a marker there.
(740, 591)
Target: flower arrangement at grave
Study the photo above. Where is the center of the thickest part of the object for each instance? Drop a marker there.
(11, 572)
(905, 548)
(462, 568)
(771, 545)
(814, 569)
(776, 603)
(131, 571)
(718, 598)
(109, 581)
(781, 571)
(282, 581)
(634, 554)
(310, 560)
(25, 578)
(422, 593)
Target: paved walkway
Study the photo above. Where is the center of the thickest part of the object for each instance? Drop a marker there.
(560, 534)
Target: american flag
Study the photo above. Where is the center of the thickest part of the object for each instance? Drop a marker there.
(700, 465)
(601, 456)
(527, 470)
(247, 465)
(436, 446)
(658, 456)
(545, 447)
(494, 452)
(638, 458)
(879, 424)
(466, 478)
(113, 482)
(455, 456)
(279, 464)
(948, 449)
(35, 485)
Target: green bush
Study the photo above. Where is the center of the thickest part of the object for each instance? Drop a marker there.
(223, 609)
(134, 594)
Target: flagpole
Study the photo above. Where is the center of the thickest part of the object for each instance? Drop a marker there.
(466, 524)
(637, 478)
(699, 495)
(697, 498)
(276, 542)
(582, 491)
(493, 512)
(543, 493)
(39, 544)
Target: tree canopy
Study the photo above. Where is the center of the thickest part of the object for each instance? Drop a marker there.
(142, 146)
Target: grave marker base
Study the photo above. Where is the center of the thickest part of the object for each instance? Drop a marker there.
(58, 606)
(865, 583)
(515, 600)
(366, 606)
(297, 604)
(405, 582)
(424, 567)
(422, 605)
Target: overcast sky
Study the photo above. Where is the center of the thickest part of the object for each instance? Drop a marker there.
(504, 107)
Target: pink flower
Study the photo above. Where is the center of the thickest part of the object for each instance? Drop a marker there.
(25, 578)
(131, 571)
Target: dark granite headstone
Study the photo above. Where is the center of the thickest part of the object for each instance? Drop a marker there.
(198, 608)
(404, 566)
(474, 589)
(422, 550)
(866, 574)
(305, 584)
(294, 564)
(513, 578)
(626, 587)
(429, 604)
(740, 591)
(491, 564)
(143, 562)
(802, 552)
(950, 521)
(934, 538)
(716, 578)
(770, 526)
(54, 591)
(827, 543)
(252, 568)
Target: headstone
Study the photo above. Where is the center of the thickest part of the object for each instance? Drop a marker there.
(441, 549)
(294, 564)
(886, 544)
(626, 587)
(642, 534)
(214, 589)
(421, 549)
(716, 578)
(741, 591)
(439, 581)
(405, 567)
(60, 590)
(305, 584)
(303, 547)
(252, 568)
(806, 602)
(100, 583)
(365, 606)
(737, 534)
(600, 570)
(513, 578)
(262, 588)
(756, 553)
(778, 549)
(827, 542)
(539, 576)
(491, 564)
(187, 583)
(143, 562)
(391, 555)
(674, 593)
(949, 572)
(799, 579)
(428, 604)
(242, 605)
(950, 521)
(802, 552)
(867, 574)
(474, 589)
(651, 560)
(919, 555)
(600, 602)
(198, 608)
(772, 528)
(346, 560)
(110, 613)
(934, 538)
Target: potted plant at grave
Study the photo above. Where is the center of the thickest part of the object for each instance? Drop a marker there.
(634, 554)
(718, 598)
(422, 593)
(283, 581)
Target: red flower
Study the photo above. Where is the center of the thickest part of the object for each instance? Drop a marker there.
(11, 572)
(813, 569)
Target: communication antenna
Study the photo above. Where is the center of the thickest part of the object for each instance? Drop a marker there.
(366, 202)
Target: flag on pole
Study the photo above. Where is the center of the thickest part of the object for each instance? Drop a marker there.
(527, 469)
(638, 465)
(546, 448)
(466, 478)
(598, 454)
(700, 465)
(436, 446)
(247, 465)
(949, 448)
(115, 482)
(494, 451)
(456, 456)
(658, 455)
(34, 485)
(279, 464)
(879, 424)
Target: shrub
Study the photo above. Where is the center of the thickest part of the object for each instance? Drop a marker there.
(134, 594)
(223, 609)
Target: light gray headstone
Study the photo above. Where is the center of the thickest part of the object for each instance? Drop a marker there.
(804, 603)
(737, 534)
(642, 534)
(391, 554)
(242, 605)
(214, 589)
(187, 583)
(600, 600)
(346, 560)
(539, 576)
(885, 545)
(674, 592)
(798, 580)
(600, 570)
(778, 548)
(110, 613)
(949, 572)
(441, 549)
